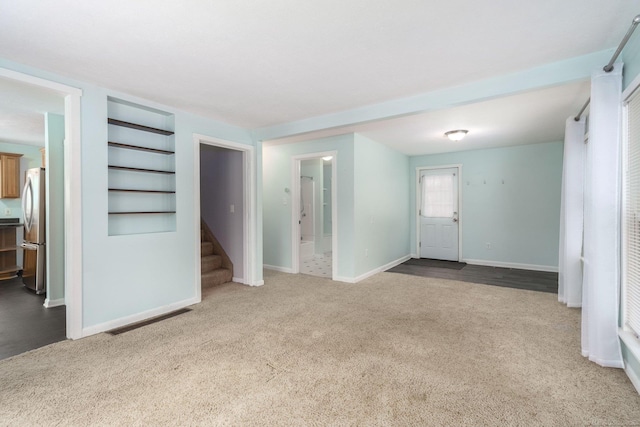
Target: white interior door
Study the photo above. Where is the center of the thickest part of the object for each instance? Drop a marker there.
(439, 214)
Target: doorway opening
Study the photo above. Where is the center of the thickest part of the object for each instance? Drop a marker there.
(224, 189)
(314, 214)
(42, 128)
(438, 213)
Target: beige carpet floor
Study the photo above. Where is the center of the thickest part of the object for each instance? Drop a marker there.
(391, 350)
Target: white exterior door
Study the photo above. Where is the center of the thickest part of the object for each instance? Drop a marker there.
(438, 213)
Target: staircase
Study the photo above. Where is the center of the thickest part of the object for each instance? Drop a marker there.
(215, 265)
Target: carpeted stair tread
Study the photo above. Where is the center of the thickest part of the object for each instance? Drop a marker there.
(216, 277)
(206, 248)
(210, 262)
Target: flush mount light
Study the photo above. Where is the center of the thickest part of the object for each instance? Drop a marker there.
(327, 158)
(456, 135)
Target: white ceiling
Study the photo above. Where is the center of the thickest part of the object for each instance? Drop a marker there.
(257, 64)
(22, 108)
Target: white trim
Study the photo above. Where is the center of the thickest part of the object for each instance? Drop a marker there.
(519, 266)
(127, 320)
(249, 206)
(50, 303)
(278, 268)
(295, 208)
(238, 280)
(72, 196)
(374, 271)
(73, 282)
(419, 170)
(37, 81)
(633, 345)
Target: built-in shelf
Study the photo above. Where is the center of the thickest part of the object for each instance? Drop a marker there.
(124, 168)
(127, 190)
(139, 127)
(9, 248)
(139, 148)
(141, 169)
(142, 213)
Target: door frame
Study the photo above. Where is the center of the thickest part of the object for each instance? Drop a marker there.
(295, 209)
(72, 195)
(419, 171)
(249, 207)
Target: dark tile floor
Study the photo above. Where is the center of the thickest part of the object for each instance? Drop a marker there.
(24, 323)
(541, 281)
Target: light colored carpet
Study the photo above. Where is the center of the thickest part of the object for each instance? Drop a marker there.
(391, 350)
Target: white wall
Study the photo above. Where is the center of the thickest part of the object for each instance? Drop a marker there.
(221, 186)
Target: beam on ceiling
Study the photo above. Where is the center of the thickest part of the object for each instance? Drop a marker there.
(553, 74)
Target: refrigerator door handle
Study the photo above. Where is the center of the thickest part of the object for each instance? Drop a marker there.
(27, 215)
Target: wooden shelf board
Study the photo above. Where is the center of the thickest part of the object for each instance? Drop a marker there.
(139, 148)
(9, 248)
(124, 168)
(10, 269)
(127, 190)
(142, 213)
(139, 127)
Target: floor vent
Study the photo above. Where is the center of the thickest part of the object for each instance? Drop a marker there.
(133, 326)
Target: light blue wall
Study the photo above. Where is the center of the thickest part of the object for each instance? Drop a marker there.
(381, 205)
(276, 203)
(520, 217)
(129, 275)
(372, 185)
(54, 138)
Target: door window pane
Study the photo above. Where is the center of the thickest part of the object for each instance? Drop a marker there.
(437, 196)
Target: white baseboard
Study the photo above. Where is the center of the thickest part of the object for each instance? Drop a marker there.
(373, 272)
(138, 317)
(257, 283)
(238, 280)
(50, 303)
(277, 268)
(519, 266)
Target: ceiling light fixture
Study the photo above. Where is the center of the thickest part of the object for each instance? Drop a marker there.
(327, 158)
(456, 135)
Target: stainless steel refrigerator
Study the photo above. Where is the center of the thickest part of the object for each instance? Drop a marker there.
(33, 216)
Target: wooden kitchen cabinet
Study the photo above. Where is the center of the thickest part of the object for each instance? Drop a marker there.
(9, 175)
(8, 251)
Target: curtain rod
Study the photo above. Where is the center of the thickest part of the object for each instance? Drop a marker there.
(609, 67)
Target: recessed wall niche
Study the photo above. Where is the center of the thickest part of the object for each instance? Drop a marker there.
(142, 177)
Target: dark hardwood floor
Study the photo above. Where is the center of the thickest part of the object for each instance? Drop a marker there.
(540, 281)
(24, 323)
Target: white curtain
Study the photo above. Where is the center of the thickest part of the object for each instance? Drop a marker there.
(571, 219)
(601, 284)
(437, 196)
